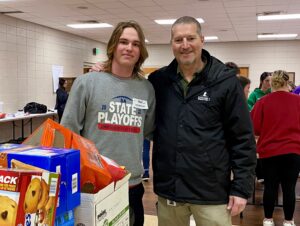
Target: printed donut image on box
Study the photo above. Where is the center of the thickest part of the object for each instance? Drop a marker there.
(44, 196)
(37, 200)
(30, 197)
(8, 211)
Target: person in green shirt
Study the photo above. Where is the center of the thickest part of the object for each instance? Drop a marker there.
(263, 89)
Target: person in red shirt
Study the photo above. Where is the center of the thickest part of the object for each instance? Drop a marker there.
(276, 120)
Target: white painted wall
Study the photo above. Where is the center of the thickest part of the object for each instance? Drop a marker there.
(27, 53)
(258, 56)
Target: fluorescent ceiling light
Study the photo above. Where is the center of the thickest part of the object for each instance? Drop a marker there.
(209, 38)
(279, 17)
(265, 36)
(171, 21)
(92, 25)
(146, 40)
(163, 22)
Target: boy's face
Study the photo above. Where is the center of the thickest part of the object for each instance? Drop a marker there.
(127, 52)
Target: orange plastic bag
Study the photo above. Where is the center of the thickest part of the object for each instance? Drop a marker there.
(117, 172)
(94, 173)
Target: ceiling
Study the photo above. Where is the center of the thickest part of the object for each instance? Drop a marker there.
(230, 20)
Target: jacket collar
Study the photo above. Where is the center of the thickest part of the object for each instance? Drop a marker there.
(209, 74)
(172, 67)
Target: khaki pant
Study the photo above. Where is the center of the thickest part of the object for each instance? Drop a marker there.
(204, 215)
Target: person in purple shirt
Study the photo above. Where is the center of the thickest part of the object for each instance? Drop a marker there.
(297, 90)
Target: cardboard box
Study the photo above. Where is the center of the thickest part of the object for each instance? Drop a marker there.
(72, 176)
(63, 161)
(7, 148)
(28, 197)
(110, 206)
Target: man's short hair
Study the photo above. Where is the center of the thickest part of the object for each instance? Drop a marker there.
(187, 20)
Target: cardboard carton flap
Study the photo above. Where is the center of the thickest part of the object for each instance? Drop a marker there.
(122, 181)
(100, 195)
(103, 193)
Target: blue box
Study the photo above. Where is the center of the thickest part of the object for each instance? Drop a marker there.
(73, 174)
(63, 161)
(65, 219)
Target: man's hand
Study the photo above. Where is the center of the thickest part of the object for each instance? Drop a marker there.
(236, 205)
(97, 67)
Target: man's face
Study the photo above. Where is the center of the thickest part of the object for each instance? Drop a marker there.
(127, 52)
(187, 44)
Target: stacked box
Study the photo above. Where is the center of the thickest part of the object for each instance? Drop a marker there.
(63, 161)
(6, 148)
(28, 197)
(65, 219)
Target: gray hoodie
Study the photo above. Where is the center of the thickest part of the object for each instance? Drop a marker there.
(115, 114)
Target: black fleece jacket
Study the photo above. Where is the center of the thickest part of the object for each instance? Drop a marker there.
(203, 136)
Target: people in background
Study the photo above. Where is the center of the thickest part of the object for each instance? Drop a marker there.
(276, 122)
(203, 131)
(245, 83)
(146, 159)
(297, 90)
(115, 108)
(61, 97)
(291, 86)
(234, 66)
(263, 89)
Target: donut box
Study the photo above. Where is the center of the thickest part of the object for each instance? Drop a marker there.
(63, 161)
(7, 148)
(28, 197)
